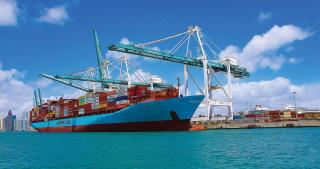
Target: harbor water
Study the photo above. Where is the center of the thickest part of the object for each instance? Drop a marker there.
(234, 148)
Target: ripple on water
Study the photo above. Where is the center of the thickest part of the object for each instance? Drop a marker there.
(245, 148)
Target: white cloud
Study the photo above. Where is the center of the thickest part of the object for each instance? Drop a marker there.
(9, 12)
(43, 82)
(125, 41)
(263, 16)
(289, 49)
(263, 50)
(274, 63)
(274, 93)
(293, 60)
(55, 15)
(14, 93)
(17, 95)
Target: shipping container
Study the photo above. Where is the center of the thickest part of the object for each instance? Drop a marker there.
(237, 117)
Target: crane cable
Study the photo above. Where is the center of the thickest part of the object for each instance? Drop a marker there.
(160, 40)
(212, 51)
(216, 46)
(195, 82)
(225, 92)
(179, 44)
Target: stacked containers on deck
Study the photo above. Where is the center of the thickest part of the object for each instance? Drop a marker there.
(88, 104)
(59, 108)
(111, 99)
(122, 97)
(71, 108)
(172, 92)
(103, 100)
(137, 93)
(82, 102)
(38, 114)
(117, 98)
(160, 94)
(167, 93)
(64, 108)
(65, 111)
(53, 110)
(56, 111)
(85, 104)
(95, 101)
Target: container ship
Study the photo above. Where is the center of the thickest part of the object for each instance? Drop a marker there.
(119, 105)
(135, 109)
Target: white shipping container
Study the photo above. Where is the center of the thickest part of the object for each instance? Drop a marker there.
(57, 109)
(81, 111)
(111, 96)
(66, 111)
(122, 102)
(122, 93)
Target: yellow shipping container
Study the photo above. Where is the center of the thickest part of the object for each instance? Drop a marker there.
(286, 114)
(102, 105)
(82, 97)
(89, 94)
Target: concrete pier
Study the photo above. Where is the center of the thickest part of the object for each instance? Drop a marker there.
(239, 124)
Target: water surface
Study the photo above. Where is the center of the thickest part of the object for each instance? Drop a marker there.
(242, 148)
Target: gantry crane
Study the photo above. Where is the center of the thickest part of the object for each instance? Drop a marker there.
(104, 69)
(210, 67)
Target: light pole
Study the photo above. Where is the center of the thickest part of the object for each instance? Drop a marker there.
(249, 104)
(294, 98)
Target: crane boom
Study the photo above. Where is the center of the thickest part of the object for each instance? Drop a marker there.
(110, 81)
(238, 72)
(66, 82)
(102, 71)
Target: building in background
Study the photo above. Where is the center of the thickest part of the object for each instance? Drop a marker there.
(13, 123)
(26, 122)
(19, 124)
(10, 122)
(2, 124)
(22, 125)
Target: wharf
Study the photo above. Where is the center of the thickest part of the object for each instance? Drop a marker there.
(242, 125)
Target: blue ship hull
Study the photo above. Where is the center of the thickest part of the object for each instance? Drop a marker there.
(164, 115)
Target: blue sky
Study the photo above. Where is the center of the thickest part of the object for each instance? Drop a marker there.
(33, 41)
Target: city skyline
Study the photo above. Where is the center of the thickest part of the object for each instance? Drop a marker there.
(11, 122)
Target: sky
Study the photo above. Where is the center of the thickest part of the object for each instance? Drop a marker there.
(277, 41)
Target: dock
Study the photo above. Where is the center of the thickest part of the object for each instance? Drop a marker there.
(246, 125)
